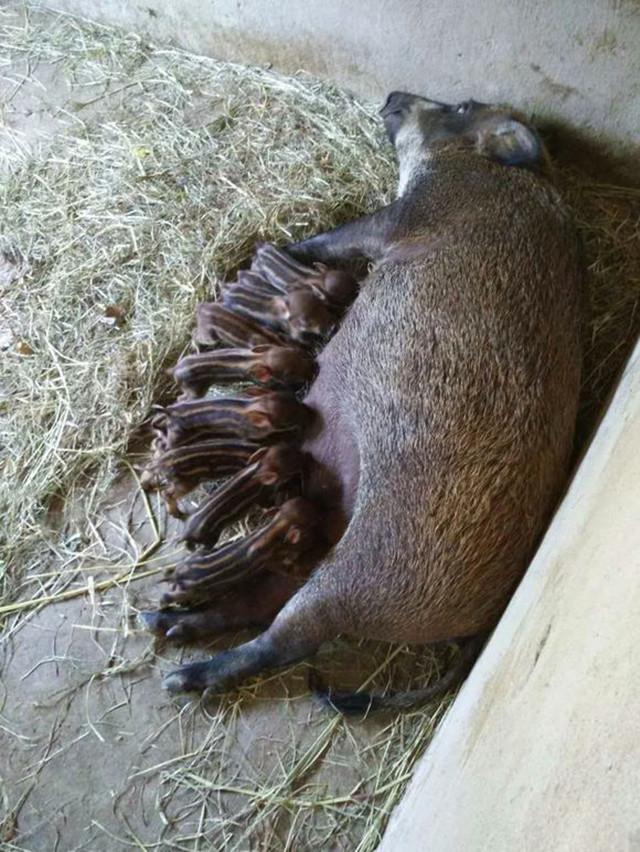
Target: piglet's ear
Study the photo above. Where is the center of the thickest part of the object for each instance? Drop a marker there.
(259, 419)
(511, 143)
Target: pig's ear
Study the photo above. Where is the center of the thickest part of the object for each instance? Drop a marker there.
(511, 143)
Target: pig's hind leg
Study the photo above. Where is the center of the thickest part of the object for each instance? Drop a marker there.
(296, 634)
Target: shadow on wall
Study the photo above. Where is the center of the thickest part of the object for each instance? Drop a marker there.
(571, 147)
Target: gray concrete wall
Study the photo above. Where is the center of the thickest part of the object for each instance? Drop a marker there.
(573, 61)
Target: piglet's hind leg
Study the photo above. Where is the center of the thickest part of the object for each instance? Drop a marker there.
(255, 605)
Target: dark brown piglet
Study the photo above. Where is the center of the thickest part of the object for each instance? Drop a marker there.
(269, 468)
(292, 530)
(216, 324)
(272, 366)
(251, 417)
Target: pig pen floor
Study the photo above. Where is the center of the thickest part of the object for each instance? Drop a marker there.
(94, 755)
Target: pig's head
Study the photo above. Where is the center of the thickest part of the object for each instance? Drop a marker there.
(418, 127)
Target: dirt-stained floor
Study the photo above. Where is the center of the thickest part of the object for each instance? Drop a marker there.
(97, 757)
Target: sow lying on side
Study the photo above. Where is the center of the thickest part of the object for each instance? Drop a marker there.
(444, 405)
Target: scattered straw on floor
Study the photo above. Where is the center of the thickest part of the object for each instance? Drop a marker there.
(172, 168)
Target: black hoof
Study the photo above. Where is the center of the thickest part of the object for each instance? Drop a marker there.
(190, 678)
(152, 621)
(168, 624)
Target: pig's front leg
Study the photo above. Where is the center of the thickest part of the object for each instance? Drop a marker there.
(367, 238)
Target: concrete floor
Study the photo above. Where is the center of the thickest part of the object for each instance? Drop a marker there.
(38, 103)
(97, 757)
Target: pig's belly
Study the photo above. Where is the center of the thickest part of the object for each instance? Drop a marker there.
(334, 475)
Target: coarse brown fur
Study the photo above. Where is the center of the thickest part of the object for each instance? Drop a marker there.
(445, 404)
